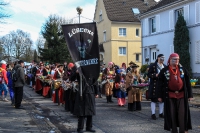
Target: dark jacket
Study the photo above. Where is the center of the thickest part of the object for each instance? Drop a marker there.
(34, 71)
(163, 91)
(21, 76)
(85, 105)
(153, 87)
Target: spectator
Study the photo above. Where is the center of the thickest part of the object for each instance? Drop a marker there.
(3, 81)
(19, 84)
(10, 82)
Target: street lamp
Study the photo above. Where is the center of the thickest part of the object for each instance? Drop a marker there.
(79, 10)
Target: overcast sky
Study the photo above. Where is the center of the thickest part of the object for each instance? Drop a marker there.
(30, 15)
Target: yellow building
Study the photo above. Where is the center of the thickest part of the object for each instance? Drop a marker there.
(119, 30)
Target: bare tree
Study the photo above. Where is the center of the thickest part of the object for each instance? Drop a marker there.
(16, 44)
(3, 14)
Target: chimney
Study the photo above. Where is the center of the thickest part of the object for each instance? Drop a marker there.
(146, 2)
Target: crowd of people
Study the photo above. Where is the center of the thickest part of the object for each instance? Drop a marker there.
(168, 85)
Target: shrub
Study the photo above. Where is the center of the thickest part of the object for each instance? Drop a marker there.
(143, 68)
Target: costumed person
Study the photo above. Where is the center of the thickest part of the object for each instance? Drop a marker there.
(107, 81)
(67, 86)
(130, 67)
(120, 88)
(39, 84)
(102, 67)
(65, 66)
(123, 68)
(100, 86)
(33, 72)
(85, 105)
(154, 70)
(73, 91)
(10, 83)
(46, 85)
(175, 91)
(3, 81)
(58, 90)
(134, 93)
(53, 70)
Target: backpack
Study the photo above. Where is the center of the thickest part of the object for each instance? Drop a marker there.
(14, 75)
(1, 75)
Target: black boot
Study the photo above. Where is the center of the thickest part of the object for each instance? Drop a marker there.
(138, 105)
(89, 124)
(134, 106)
(110, 99)
(107, 98)
(130, 108)
(80, 124)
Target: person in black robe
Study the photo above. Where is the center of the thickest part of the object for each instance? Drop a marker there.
(85, 105)
(153, 72)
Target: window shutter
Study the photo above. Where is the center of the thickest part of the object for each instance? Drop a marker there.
(171, 20)
(197, 52)
(146, 27)
(197, 12)
(157, 23)
(186, 14)
(171, 49)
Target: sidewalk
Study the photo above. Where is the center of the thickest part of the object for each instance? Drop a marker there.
(196, 95)
(16, 120)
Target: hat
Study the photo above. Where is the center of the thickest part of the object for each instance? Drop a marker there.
(172, 55)
(3, 62)
(59, 65)
(110, 63)
(46, 64)
(135, 65)
(124, 64)
(160, 55)
(70, 65)
(131, 63)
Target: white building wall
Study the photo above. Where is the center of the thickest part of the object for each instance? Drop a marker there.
(163, 40)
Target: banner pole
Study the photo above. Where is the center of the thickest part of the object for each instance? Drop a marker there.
(79, 10)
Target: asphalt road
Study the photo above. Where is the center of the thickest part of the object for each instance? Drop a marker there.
(42, 115)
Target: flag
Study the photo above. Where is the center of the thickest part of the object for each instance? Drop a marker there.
(83, 45)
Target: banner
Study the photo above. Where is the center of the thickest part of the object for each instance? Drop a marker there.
(82, 42)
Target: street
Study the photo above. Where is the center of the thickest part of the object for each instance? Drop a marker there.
(42, 115)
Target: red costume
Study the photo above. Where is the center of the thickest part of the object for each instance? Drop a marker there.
(58, 96)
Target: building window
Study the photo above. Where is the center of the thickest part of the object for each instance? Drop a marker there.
(197, 12)
(122, 50)
(122, 31)
(100, 15)
(137, 32)
(145, 53)
(104, 36)
(137, 57)
(178, 12)
(152, 25)
(135, 11)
